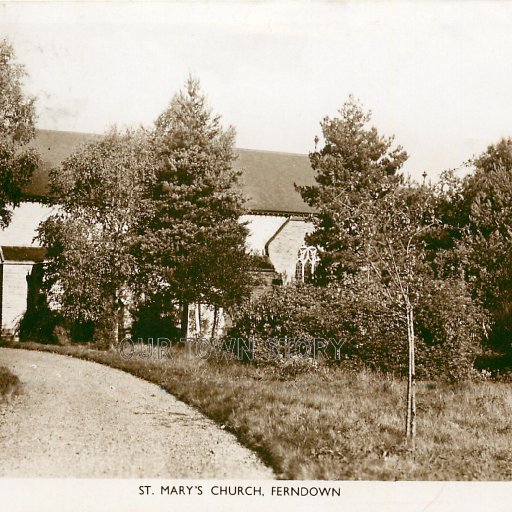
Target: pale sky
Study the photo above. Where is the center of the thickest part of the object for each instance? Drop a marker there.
(437, 75)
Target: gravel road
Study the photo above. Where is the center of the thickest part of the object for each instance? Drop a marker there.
(80, 419)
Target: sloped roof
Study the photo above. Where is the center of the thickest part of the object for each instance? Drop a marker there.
(267, 179)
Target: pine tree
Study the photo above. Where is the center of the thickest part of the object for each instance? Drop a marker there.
(355, 165)
(193, 245)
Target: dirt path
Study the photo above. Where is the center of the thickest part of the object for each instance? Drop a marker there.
(80, 419)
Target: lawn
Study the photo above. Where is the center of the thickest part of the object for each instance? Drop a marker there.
(9, 384)
(339, 424)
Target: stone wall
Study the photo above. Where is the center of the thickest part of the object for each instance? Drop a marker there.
(282, 236)
(284, 247)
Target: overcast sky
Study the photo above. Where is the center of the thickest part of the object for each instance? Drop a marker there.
(436, 75)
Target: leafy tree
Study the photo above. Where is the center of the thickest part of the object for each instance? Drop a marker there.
(450, 326)
(487, 195)
(192, 244)
(478, 213)
(355, 165)
(17, 163)
(98, 191)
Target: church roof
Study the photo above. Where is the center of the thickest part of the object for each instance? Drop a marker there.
(267, 179)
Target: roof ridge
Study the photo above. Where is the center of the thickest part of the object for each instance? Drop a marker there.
(288, 153)
(68, 131)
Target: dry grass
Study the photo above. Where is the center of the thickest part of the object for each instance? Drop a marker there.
(9, 384)
(339, 424)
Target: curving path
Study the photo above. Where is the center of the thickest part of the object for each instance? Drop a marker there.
(80, 419)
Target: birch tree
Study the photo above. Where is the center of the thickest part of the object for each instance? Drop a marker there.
(98, 192)
(395, 247)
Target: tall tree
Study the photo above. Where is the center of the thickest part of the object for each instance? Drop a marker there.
(354, 165)
(478, 213)
(98, 190)
(192, 245)
(17, 113)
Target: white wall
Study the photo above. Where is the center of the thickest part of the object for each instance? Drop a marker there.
(284, 248)
(20, 232)
(14, 296)
(23, 227)
(261, 228)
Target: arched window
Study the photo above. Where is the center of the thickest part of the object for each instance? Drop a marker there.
(307, 260)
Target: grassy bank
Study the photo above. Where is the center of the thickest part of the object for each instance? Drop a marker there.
(9, 384)
(339, 424)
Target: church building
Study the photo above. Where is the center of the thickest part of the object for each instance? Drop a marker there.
(278, 219)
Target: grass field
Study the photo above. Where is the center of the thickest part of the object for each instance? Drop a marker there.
(9, 384)
(337, 424)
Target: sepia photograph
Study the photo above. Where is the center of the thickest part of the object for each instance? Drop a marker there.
(255, 254)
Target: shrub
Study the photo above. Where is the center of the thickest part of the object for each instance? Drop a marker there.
(367, 327)
(39, 321)
(293, 312)
(275, 320)
(353, 315)
(38, 324)
(451, 328)
(150, 322)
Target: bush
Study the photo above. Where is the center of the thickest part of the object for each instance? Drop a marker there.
(451, 328)
(293, 312)
(38, 324)
(353, 315)
(367, 327)
(39, 321)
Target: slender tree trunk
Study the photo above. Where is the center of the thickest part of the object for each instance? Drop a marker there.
(413, 381)
(410, 420)
(214, 326)
(114, 342)
(184, 320)
(409, 388)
